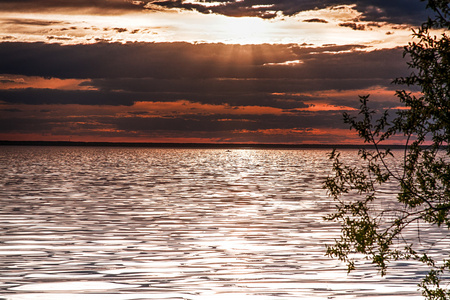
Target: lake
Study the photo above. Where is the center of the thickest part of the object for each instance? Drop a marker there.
(149, 223)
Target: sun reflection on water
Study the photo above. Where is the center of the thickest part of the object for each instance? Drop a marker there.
(125, 223)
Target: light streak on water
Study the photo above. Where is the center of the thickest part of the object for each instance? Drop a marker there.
(136, 223)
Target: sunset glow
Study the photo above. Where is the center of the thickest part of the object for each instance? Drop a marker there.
(281, 72)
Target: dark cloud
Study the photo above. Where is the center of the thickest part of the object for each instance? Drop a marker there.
(94, 6)
(224, 123)
(235, 86)
(353, 25)
(51, 96)
(58, 38)
(315, 20)
(11, 110)
(33, 96)
(24, 125)
(198, 61)
(160, 60)
(279, 93)
(265, 128)
(120, 30)
(181, 124)
(288, 77)
(394, 11)
(54, 96)
(7, 81)
(32, 22)
(217, 123)
(250, 75)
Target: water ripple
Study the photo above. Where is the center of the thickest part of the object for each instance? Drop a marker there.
(125, 223)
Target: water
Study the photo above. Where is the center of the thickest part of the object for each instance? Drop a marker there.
(138, 223)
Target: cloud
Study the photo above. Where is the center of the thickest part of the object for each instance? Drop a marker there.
(173, 90)
(55, 96)
(353, 25)
(32, 22)
(71, 6)
(198, 61)
(120, 30)
(182, 124)
(24, 125)
(279, 93)
(247, 75)
(11, 110)
(298, 126)
(5, 81)
(393, 11)
(315, 20)
(218, 123)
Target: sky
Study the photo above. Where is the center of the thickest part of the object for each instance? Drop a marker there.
(198, 71)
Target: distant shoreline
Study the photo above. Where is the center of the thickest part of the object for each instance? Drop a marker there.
(192, 145)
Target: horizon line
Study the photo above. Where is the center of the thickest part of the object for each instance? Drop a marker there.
(195, 145)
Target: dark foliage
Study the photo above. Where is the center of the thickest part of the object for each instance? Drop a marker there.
(371, 227)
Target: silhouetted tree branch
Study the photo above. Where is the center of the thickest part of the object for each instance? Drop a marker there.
(372, 228)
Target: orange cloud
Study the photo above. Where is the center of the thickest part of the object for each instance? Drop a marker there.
(8, 81)
(325, 107)
(186, 107)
